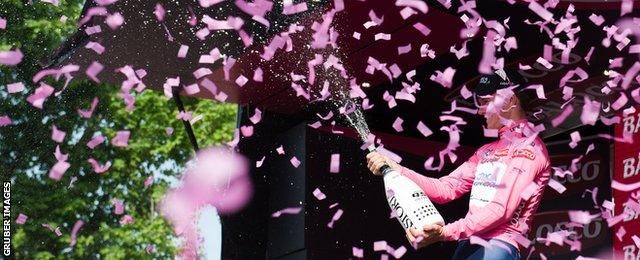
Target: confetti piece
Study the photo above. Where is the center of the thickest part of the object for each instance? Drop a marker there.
(488, 54)
(118, 206)
(404, 49)
(97, 47)
(57, 135)
(168, 131)
(292, 210)
(397, 124)
(621, 232)
(121, 139)
(11, 58)
(295, 162)
(280, 150)
(15, 87)
(422, 28)
(581, 217)
(93, 30)
(99, 169)
(335, 218)
(182, 52)
(257, 75)
(241, 80)
(556, 185)
(5, 121)
(357, 252)
(540, 11)
(126, 219)
(95, 142)
(380, 246)
(260, 162)
(318, 194)
(148, 181)
(544, 63)
(114, 21)
(3, 23)
(74, 231)
(423, 129)
(382, 36)
(563, 115)
(87, 113)
(246, 131)
(93, 70)
(335, 163)
(21, 219)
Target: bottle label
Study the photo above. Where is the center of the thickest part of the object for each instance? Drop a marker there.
(401, 214)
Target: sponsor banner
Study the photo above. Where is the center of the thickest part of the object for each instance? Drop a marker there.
(624, 248)
(593, 237)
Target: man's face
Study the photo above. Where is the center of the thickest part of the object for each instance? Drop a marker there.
(493, 121)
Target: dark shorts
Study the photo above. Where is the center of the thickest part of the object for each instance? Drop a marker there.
(466, 250)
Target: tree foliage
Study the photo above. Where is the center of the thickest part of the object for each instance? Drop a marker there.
(28, 151)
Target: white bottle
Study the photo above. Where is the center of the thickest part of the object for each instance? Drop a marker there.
(412, 207)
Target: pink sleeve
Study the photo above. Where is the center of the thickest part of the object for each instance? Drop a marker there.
(449, 187)
(519, 173)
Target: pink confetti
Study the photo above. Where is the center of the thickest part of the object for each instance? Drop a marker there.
(380, 246)
(539, 90)
(295, 162)
(544, 63)
(397, 124)
(626, 7)
(422, 28)
(520, 239)
(620, 233)
(404, 49)
(126, 219)
(357, 252)
(241, 80)
(15, 87)
(556, 185)
(596, 19)
(114, 21)
(424, 130)
(488, 53)
(260, 162)
(93, 70)
(246, 131)
(335, 218)
(624, 187)
(581, 217)
(57, 135)
(257, 116)
(168, 131)
(37, 99)
(74, 232)
(11, 58)
(89, 112)
(318, 194)
(382, 36)
(3, 23)
(121, 139)
(99, 169)
(93, 30)
(540, 11)
(159, 12)
(182, 52)
(560, 118)
(292, 210)
(119, 206)
(290, 9)
(334, 167)
(5, 121)
(95, 142)
(148, 181)
(22, 218)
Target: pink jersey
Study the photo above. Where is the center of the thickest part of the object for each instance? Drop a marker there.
(506, 178)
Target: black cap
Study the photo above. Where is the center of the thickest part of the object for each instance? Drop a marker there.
(502, 78)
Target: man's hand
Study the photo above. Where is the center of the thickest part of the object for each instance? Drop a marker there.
(376, 160)
(428, 235)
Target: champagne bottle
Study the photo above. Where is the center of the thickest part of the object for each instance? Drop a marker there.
(412, 207)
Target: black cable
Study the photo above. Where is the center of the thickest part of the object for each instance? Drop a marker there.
(187, 124)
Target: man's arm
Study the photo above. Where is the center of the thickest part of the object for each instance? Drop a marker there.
(517, 176)
(449, 187)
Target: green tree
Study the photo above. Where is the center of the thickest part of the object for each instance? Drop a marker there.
(26, 150)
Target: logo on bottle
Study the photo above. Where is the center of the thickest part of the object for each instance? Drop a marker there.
(400, 213)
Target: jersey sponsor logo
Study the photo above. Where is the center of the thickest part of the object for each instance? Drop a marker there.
(524, 153)
(502, 152)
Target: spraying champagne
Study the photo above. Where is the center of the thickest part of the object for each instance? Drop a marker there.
(412, 207)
